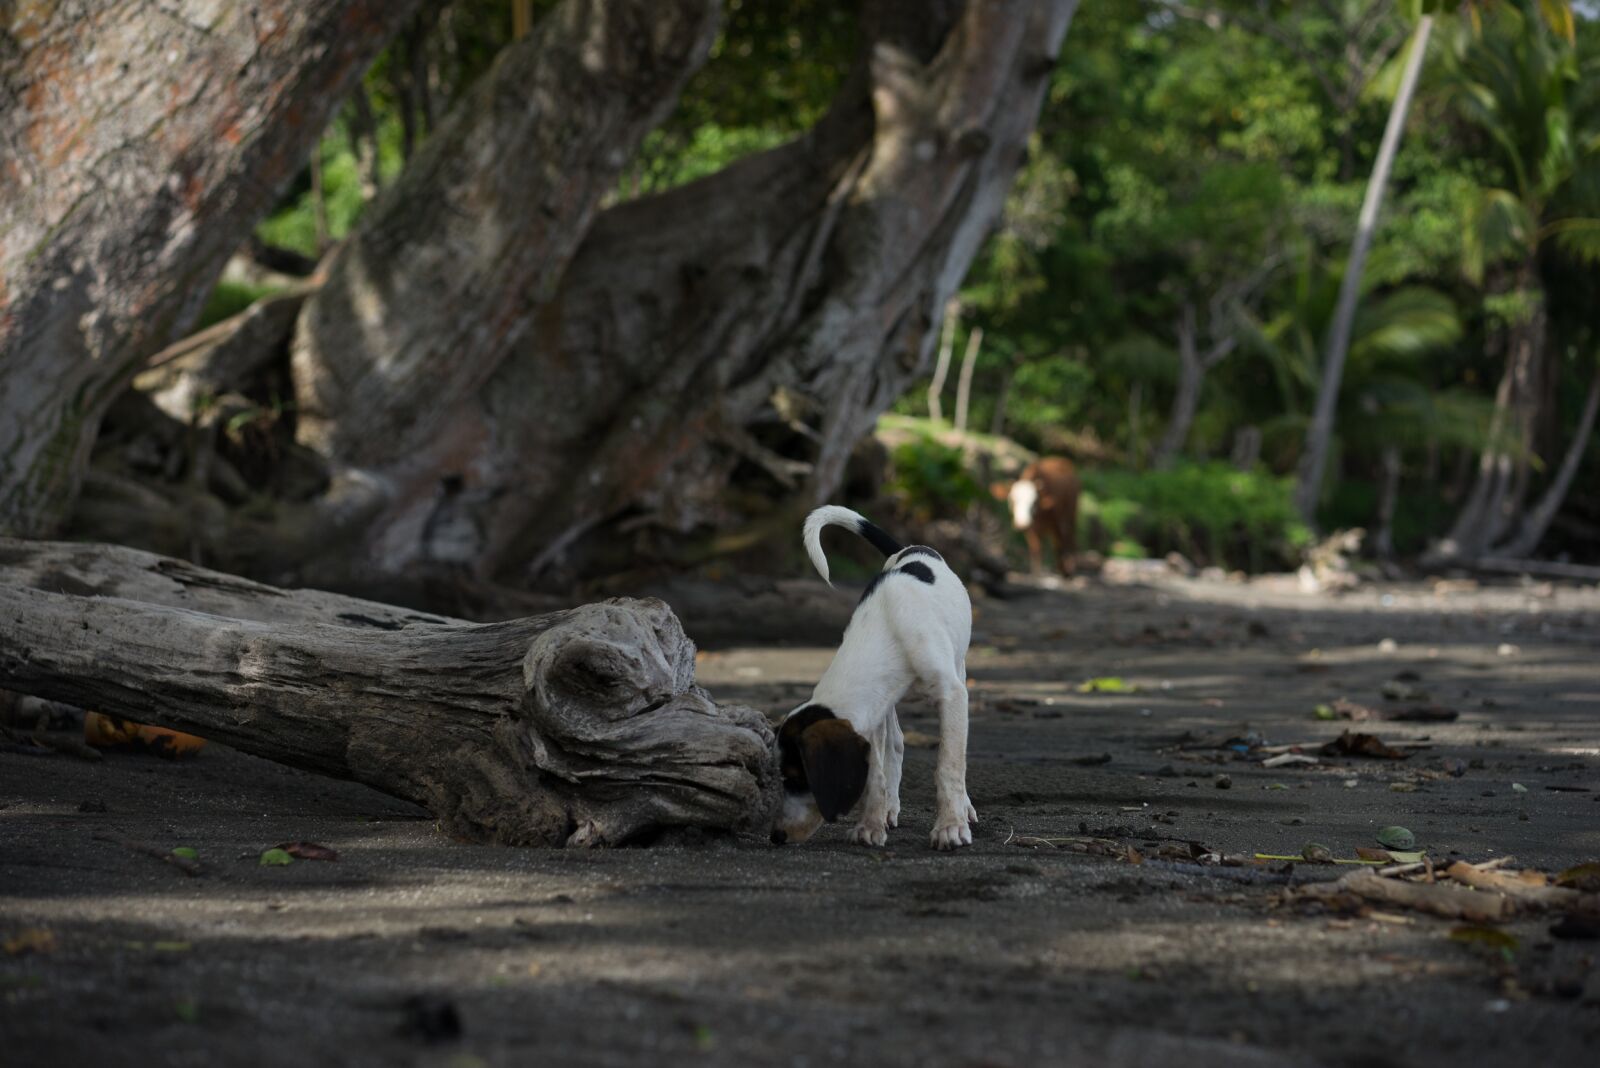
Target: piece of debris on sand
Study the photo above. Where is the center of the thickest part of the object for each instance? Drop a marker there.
(1363, 745)
(1344, 708)
(1474, 893)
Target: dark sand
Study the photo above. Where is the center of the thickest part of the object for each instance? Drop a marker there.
(730, 951)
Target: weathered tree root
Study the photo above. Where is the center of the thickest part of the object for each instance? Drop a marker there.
(581, 727)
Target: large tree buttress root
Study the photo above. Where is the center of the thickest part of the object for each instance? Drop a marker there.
(581, 727)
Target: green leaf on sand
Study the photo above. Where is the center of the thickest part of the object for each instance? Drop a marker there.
(275, 858)
(1396, 838)
(186, 852)
(1107, 684)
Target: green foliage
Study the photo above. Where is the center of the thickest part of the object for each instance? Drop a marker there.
(931, 479)
(229, 299)
(294, 224)
(1210, 512)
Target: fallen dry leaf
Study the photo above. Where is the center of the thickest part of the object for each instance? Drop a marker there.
(1585, 877)
(1362, 745)
(31, 940)
(922, 740)
(114, 732)
(308, 850)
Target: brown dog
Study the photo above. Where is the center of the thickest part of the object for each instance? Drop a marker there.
(1044, 502)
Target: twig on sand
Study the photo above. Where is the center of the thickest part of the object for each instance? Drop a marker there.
(1451, 902)
(1529, 889)
(183, 864)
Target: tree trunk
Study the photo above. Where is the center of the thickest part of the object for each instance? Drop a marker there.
(319, 202)
(136, 150)
(941, 369)
(1388, 498)
(1002, 397)
(969, 360)
(1537, 520)
(781, 303)
(1503, 466)
(442, 278)
(1319, 434)
(1186, 400)
(799, 286)
(583, 727)
(364, 143)
(1192, 369)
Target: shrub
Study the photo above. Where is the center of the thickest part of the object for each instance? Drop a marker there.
(931, 479)
(1212, 513)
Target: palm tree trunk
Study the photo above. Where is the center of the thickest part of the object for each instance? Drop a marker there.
(947, 344)
(1503, 465)
(1319, 434)
(964, 385)
(997, 422)
(1187, 398)
(1538, 518)
(1388, 497)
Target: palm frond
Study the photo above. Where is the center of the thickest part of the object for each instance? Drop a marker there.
(1404, 325)
(1578, 238)
(1498, 224)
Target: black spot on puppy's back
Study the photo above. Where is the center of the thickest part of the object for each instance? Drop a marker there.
(916, 569)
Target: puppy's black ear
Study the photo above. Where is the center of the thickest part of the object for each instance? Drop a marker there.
(835, 757)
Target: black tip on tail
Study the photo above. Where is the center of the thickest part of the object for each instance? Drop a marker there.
(878, 539)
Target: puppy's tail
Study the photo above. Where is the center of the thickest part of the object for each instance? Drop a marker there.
(831, 515)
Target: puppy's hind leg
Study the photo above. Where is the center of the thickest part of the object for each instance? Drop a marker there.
(894, 763)
(953, 810)
(872, 828)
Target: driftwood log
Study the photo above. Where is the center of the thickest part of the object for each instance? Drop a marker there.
(582, 727)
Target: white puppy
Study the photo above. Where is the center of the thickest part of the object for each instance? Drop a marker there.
(843, 749)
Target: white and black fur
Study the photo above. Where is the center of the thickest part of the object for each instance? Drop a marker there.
(843, 749)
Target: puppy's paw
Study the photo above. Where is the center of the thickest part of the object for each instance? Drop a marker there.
(894, 815)
(965, 807)
(869, 833)
(951, 834)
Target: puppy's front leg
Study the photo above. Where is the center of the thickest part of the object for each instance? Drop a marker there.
(953, 809)
(873, 826)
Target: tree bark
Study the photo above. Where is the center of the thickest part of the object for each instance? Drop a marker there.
(137, 147)
(1534, 524)
(442, 277)
(1319, 434)
(790, 298)
(583, 727)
